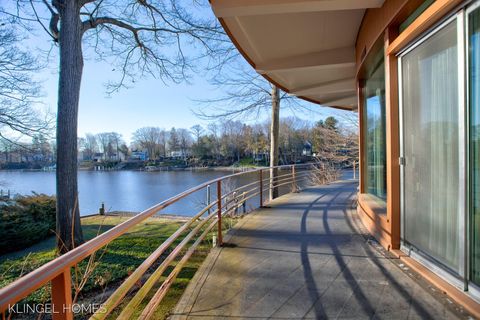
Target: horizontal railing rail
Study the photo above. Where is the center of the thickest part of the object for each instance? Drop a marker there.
(227, 203)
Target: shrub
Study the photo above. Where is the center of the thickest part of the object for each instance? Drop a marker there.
(25, 221)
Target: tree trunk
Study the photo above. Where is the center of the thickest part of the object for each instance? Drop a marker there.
(274, 133)
(71, 66)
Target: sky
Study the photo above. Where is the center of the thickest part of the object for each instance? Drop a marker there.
(149, 102)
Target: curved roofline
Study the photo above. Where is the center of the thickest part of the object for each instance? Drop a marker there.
(275, 83)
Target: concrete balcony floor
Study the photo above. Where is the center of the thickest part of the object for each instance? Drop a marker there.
(304, 257)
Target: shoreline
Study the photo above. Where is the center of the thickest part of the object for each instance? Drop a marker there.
(132, 214)
(160, 169)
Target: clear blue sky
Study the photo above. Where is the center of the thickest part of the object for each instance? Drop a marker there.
(148, 103)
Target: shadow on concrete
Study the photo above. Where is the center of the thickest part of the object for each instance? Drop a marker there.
(359, 295)
(293, 233)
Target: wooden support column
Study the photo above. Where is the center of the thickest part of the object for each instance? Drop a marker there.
(219, 213)
(62, 296)
(361, 133)
(294, 180)
(260, 179)
(393, 140)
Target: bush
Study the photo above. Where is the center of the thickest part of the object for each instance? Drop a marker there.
(25, 221)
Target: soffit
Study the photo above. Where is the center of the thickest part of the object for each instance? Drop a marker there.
(307, 48)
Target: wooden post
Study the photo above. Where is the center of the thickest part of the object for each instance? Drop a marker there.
(361, 135)
(392, 125)
(260, 177)
(354, 170)
(219, 213)
(208, 197)
(244, 203)
(294, 182)
(62, 296)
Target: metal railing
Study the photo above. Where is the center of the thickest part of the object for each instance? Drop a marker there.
(58, 271)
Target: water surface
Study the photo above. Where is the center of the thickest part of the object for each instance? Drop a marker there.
(125, 190)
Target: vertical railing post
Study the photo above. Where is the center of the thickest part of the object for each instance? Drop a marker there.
(354, 170)
(219, 213)
(208, 197)
(294, 180)
(62, 296)
(260, 177)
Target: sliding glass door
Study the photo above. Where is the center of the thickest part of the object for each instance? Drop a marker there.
(440, 147)
(431, 129)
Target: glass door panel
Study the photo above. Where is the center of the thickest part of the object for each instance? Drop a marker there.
(431, 146)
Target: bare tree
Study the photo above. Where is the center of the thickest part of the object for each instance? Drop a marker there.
(244, 94)
(213, 130)
(185, 141)
(231, 139)
(18, 92)
(140, 37)
(115, 142)
(163, 141)
(197, 131)
(173, 140)
(249, 94)
(91, 146)
(103, 139)
(333, 144)
(149, 138)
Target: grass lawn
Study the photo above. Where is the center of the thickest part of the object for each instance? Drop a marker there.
(247, 162)
(120, 258)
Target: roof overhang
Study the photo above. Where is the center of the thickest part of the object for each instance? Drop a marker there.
(305, 47)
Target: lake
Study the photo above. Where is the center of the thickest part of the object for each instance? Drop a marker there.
(126, 190)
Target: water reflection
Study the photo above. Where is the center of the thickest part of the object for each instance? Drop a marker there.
(126, 190)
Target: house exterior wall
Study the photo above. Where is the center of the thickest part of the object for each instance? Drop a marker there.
(382, 23)
(383, 219)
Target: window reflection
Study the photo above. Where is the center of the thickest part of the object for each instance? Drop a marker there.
(374, 93)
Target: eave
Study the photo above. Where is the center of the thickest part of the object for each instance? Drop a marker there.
(305, 47)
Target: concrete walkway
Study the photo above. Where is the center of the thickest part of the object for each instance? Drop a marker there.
(303, 258)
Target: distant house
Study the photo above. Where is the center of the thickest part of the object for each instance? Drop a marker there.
(97, 157)
(117, 156)
(307, 149)
(139, 155)
(178, 154)
(39, 157)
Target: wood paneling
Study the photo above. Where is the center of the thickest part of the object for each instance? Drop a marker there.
(374, 219)
(375, 21)
(427, 19)
(361, 134)
(393, 140)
